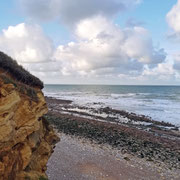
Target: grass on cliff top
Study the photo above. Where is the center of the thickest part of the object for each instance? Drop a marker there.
(11, 67)
(22, 88)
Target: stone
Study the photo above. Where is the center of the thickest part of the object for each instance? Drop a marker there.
(26, 142)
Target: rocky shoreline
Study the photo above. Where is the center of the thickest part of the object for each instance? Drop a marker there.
(132, 134)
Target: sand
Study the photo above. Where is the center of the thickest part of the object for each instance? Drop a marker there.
(79, 159)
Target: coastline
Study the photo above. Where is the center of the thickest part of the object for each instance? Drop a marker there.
(136, 136)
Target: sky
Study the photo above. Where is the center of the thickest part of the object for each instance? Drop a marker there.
(130, 42)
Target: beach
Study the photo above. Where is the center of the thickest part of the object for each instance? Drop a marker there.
(98, 146)
(80, 159)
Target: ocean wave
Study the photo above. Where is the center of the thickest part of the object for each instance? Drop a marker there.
(159, 106)
(123, 95)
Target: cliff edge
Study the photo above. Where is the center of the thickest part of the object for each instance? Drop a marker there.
(26, 139)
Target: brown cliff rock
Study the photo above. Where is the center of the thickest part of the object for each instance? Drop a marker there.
(26, 139)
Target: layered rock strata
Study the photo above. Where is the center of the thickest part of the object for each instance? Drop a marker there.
(26, 139)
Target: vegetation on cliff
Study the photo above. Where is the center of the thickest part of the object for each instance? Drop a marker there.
(10, 66)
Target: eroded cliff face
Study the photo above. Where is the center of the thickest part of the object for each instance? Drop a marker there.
(26, 139)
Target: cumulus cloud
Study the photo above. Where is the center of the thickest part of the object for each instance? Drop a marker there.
(71, 11)
(173, 19)
(162, 70)
(107, 46)
(101, 48)
(26, 43)
(104, 50)
(50, 66)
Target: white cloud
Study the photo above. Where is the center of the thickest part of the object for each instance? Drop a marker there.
(106, 50)
(162, 70)
(101, 49)
(72, 11)
(26, 43)
(106, 46)
(173, 18)
(163, 73)
(51, 66)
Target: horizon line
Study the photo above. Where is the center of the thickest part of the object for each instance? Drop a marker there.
(116, 84)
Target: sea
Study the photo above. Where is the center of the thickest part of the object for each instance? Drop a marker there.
(161, 103)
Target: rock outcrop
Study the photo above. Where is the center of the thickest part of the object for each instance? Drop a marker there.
(26, 139)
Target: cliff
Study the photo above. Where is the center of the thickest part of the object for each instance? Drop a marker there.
(26, 139)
